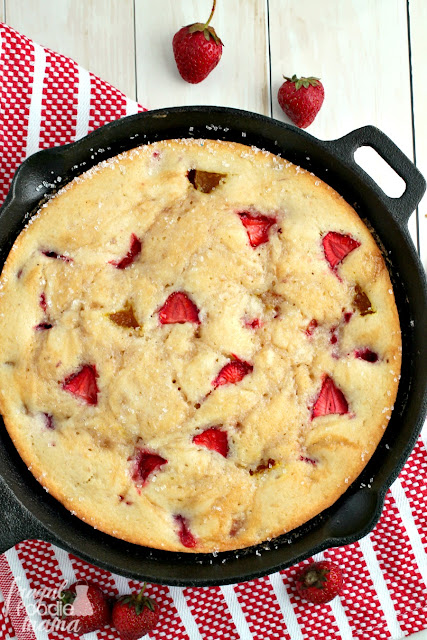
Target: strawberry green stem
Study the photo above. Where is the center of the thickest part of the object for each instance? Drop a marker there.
(140, 595)
(212, 12)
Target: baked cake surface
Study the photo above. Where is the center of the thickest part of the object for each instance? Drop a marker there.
(200, 346)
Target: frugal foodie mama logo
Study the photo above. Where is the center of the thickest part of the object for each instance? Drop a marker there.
(43, 609)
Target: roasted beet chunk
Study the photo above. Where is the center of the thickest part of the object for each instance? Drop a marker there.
(178, 309)
(129, 258)
(83, 384)
(144, 463)
(257, 227)
(204, 181)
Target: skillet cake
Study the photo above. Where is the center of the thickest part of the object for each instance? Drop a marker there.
(200, 347)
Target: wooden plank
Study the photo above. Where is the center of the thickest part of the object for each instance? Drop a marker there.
(240, 80)
(359, 49)
(418, 30)
(99, 35)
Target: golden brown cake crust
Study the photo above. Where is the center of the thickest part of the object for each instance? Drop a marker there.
(262, 400)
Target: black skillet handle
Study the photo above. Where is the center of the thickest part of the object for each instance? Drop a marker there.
(16, 522)
(401, 208)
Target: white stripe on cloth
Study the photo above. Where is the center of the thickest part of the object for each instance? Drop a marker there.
(413, 534)
(69, 576)
(35, 115)
(380, 587)
(27, 597)
(286, 607)
(185, 613)
(83, 104)
(236, 612)
(131, 107)
(338, 610)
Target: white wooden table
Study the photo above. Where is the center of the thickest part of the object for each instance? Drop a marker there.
(370, 54)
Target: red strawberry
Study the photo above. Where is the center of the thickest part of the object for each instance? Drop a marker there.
(337, 246)
(145, 463)
(83, 384)
(43, 326)
(178, 308)
(85, 606)
(43, 302)
(232, 372)
(134, 251)
(308, 460)
(253, 324)
(186, 537)
(257, 227)
(135, 615)
(319, 582)
(330, 400)
(301, 99)
(48, 421)
(59, 256)
(197, 50)
(347, 316)
(366, 354)
(312, 325)
(213, 438)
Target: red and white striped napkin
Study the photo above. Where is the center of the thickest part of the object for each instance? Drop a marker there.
(46, 100)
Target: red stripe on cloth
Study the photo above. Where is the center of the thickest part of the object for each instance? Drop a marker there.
(402, 576)
(170, 626)
(261, 609)
(211, 613)
(6, 629)
(106, 103)
(44, 577)
(316, 621)
(16, 73)
(414, 482)
(59, 101)
(358, 597)
(12, 599)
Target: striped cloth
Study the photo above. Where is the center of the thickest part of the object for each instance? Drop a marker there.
(46, 100)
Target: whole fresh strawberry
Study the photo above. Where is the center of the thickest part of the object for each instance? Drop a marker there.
(84, 605)
(197, 50)
(319, 582)
(301, 99)
(135, 615)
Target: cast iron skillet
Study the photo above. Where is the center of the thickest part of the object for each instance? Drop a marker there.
(28, 512)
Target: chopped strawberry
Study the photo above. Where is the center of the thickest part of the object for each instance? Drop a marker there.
(134, 251)
(48, 421)
(312, 325)
(263, 466)
(178, 309)
(257, 227)
(337, 246)
(184, 533)
(330, 400)
(43, 326)
(213, 438)
(83, 384)
(308, 460)
(366, 354)
(144, 464)
(253, 324)
(347, 316)
(43, 302)
(334, 337)
(232, 372)
(58, 256)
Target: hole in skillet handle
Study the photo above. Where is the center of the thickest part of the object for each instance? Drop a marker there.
(402, 207)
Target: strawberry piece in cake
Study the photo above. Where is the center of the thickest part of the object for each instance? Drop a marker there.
(331, 400)
(256, 323)
(144, 464)
(178, 309)
(232, 372)
(337, 246)
(129, 258)
(83, 384)
(312, 325)
(43, 326)
(58, 256)
(366, 354)
(213, 438)
(186, 537)
(257, 227)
